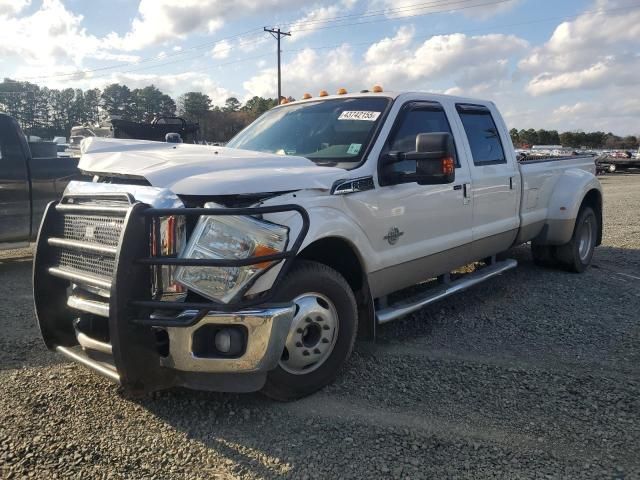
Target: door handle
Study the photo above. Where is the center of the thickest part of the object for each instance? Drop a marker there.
(466, 193)
(510, 183)
(457, 187)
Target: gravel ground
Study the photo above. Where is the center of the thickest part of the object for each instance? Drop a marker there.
(535, 374)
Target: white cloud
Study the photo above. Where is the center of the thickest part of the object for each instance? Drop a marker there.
(302, 75)
(313, 20)
(474, 63)
(52, 37)
(468, 60)
(609, 71)
(221, 49)
(13, 7)
(161, 20)
(597, 48)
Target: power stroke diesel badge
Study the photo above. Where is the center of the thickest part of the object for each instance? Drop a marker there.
(393, 235)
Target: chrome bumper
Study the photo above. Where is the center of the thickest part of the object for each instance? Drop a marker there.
(267, 332)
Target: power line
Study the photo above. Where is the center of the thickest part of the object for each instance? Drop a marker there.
(517, 24)
(496, 2)
(382, 12)
(152, 59)
(81, 73)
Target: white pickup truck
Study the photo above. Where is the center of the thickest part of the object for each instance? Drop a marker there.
(256, 265)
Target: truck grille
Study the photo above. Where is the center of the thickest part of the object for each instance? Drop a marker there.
(85, 240)
(96, 229)
(94, 264)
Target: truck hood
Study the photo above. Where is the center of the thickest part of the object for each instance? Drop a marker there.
(204, 170)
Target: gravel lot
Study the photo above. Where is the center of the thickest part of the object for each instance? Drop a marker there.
(535, 374)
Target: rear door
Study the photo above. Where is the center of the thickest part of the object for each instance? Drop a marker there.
(495, 178)
(15, 206)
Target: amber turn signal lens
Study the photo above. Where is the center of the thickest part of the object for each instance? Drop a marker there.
(448, 166)
(263, 251)
(376, 89)
(323, 93)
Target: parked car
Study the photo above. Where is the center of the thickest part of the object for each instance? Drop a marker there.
(27, 183)
(256, 265)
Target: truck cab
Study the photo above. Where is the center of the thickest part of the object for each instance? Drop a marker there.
(27, 184)
(256, 265)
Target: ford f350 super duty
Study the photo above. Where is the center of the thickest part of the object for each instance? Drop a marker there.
(256, 265)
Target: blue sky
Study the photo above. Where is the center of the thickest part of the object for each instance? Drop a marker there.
(570, 64)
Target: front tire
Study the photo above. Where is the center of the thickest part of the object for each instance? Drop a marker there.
(322, 332)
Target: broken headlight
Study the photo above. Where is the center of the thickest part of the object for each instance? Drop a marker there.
(232, 238)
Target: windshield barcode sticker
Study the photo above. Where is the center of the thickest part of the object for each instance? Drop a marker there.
(354, 115)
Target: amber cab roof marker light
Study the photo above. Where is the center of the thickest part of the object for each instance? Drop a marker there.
(284, 101)
(306, 96)
(342, 91)
(323, 93)
(376, 89)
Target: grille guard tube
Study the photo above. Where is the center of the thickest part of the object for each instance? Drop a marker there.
(136, 360)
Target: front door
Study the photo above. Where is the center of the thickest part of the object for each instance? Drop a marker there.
(420, 230)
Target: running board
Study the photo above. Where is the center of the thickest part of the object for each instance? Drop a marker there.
(410, 305)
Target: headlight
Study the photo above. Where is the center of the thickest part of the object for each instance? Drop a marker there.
(229, 237)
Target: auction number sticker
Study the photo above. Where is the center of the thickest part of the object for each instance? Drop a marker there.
(357, 115)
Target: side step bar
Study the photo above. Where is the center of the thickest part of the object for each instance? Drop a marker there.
(410, 305)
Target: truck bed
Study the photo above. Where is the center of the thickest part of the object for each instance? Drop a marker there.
(540, 176)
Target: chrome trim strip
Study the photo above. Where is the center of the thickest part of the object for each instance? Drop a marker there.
(267, 332)
(78, 277)
(71, 208)
(94, 365)
(90, 306)
(82, 246)
(401, 309)
(88, 343)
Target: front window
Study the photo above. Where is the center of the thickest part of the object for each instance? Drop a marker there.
(333, 132)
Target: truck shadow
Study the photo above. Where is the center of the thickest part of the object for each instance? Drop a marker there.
(261, 436)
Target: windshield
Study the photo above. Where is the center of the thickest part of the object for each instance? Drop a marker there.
(328, 132)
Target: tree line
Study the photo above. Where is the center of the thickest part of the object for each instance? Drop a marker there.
(48, 112)
(590, 140)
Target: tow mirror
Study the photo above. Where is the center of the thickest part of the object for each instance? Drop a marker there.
(435, 158)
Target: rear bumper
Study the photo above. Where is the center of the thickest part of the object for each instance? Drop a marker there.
(114, 327)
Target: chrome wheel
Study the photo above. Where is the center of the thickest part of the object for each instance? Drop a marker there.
(312, 336)
(585, 238)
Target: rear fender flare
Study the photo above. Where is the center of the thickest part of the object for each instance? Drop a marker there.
(564, 205)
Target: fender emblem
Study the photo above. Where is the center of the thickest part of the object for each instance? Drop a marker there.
(393, 235)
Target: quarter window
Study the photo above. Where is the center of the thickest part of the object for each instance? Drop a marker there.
(483, 136)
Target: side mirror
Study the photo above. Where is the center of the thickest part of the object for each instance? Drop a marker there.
(435, 158)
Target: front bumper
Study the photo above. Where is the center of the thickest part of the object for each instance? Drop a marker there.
(113, 326)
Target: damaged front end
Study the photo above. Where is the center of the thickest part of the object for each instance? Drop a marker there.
(122, 285)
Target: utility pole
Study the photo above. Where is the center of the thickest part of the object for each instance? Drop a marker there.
(277, 34)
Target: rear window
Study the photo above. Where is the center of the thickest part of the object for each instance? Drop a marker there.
(482, 134)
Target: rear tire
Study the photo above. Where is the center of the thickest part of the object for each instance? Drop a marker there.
(322, 333)
(576, 255)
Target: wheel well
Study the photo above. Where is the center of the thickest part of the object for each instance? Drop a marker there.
(340, 255)
(593, 199)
